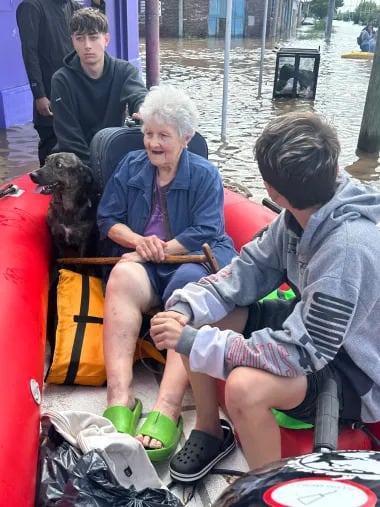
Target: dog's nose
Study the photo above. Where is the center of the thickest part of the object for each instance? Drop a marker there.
(34, 176)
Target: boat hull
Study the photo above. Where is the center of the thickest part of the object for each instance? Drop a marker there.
(244, 218)
(24, 268)
(24, 284)
(358, 55)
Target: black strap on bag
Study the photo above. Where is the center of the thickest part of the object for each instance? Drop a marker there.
(82, 319)
(88, 319)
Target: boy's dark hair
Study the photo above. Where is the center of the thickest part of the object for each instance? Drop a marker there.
(297, 154)
(88, 20)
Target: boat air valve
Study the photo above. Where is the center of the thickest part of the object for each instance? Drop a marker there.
(35, 390)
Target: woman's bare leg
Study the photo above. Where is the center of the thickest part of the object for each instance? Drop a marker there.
(129, 293)
(172, 390)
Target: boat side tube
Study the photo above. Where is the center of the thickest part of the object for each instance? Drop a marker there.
(24, 266)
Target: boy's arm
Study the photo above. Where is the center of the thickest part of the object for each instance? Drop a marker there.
(249, 277)
(308, 340)
(133, 91)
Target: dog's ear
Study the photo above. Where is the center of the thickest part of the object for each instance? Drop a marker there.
(87, 173)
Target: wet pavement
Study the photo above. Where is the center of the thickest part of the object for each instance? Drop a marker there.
(197, 65)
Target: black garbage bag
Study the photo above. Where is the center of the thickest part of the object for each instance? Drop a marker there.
(69, 478)
(56, 460)
(92, 483)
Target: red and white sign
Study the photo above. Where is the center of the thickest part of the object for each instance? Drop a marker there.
(319, 492)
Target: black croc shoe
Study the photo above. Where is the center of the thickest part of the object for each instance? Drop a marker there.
(200, 453)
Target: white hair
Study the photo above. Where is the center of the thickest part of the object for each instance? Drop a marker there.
(168, 105)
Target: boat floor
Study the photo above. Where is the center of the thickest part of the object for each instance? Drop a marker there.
(93, 399)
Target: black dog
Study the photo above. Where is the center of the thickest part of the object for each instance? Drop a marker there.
(71, 215)
(305, 82)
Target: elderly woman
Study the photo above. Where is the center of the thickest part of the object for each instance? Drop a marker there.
(161, 200)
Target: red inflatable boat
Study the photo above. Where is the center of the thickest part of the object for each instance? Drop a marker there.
(24, 267)
(24, 259)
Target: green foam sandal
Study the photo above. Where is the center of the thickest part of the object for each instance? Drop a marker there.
(162, 428)
(123, 418)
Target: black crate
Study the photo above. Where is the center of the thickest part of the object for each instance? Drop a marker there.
(296, 73)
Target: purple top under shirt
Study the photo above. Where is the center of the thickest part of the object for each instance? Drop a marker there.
(157, 224)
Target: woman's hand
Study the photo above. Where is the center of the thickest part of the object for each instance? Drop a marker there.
(166, 328)
(151, 248)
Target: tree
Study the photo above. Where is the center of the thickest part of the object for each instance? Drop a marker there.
(319, 8)
(366, 11)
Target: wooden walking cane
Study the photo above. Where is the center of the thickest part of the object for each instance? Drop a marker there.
(208, 258)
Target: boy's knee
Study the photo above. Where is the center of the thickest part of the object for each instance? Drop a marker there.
(238, 391)
(244, 389)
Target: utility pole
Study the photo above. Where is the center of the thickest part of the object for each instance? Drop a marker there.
(152, 42)
(227, 47)
(329, 19)
(180, 19)
(369, 136)
(263, 41)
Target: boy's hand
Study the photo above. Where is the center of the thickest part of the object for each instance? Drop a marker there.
(166, 328)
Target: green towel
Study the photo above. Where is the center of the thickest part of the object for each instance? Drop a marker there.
(285, 421)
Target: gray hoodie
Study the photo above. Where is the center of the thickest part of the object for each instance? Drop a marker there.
(333, 265)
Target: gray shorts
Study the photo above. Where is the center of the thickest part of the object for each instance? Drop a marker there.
(272, 313)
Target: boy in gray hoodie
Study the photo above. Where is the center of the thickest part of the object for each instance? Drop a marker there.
(277, 354)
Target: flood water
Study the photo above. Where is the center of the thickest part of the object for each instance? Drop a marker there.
(197, 66)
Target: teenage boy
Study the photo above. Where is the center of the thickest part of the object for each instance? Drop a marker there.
(92, 89)
(277, 354)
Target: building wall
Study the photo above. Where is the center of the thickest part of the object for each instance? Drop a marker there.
(195, 18)
(196, 12)
(253, 23)
(169, 18)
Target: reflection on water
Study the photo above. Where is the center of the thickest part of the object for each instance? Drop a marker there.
(197, 66)
(18, 151)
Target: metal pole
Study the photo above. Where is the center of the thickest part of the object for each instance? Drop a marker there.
(369, 136)
(227, 47)
(329, 19)
(263, 38)
(152, 38)
(180, 19)
(289, 17)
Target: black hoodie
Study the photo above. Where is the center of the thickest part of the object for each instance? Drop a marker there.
(82, 105)
(45, 39)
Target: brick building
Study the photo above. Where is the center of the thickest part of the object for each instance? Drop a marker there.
(207, 18)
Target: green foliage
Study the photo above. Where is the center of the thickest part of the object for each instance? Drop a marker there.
(346, 16)
(367, 11)
(319, 8)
